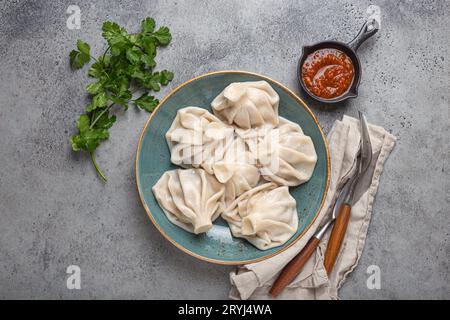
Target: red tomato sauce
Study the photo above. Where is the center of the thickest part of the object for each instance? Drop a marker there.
(328, 73)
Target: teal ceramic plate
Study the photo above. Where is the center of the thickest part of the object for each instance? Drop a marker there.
(153, 159)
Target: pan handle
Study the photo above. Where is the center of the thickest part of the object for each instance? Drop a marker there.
(368, 29)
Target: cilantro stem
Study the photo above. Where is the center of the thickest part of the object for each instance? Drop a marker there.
(104, 54)
(95, 59)
(100, 173)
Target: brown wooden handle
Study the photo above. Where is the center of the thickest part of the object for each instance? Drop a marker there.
(336, 237)
(293, 268)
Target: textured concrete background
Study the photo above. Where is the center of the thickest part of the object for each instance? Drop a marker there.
(55, 212)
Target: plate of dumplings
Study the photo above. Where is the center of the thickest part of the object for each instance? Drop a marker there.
(232, 167)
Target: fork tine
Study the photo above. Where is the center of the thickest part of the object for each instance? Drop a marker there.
(366, 146)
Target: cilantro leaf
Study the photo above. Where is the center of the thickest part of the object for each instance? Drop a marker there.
(94, 88)
(163, 78)
(105, 121)
(152, 83)
(134, 55)
(146, 102)
(99, 101)
(89, 138)
(84, 47)
(117, 37)
(96, 70)
(149, 45)
(148, 25)
(148, 61)
(113, 33)
(83, 123)
(136, 72)
(166, 77)
(163, 36)
(78, 58)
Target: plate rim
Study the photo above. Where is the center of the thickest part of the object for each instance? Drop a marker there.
(179, 246)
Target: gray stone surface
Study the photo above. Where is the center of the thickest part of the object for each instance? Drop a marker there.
(55, 212)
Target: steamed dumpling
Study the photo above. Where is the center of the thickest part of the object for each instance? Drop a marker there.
(237, 170)
(247, 104)
(266, 216)
(253, 135)
(191, 198)
(197, 138)
(286, 155)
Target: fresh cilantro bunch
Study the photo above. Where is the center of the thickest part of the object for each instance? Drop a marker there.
(126, 66)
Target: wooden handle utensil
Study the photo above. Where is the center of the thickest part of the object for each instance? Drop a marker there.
(293, 268)
(336, 237)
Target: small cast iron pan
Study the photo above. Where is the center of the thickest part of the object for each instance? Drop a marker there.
(368, 29)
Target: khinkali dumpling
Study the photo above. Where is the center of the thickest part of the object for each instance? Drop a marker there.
(286, 155)
(253, 135)
(247, 104)
(266, 216)
(237, 170)
(191, 198)
(197, 138)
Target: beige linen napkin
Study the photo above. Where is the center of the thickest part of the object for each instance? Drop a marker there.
(253, 281)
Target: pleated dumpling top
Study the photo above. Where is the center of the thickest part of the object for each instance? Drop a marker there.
(191, 198)
(286, 155)
(197, 138)
(266, 216)
(247, 104)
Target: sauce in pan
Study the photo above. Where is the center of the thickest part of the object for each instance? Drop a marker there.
(328, 73)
